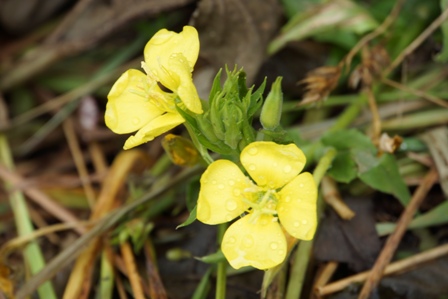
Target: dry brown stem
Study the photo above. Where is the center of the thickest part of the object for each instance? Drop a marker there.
(133, 275)
(394, 239)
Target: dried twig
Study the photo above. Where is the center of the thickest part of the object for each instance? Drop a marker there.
(400, 266)
(134, 277)
(394, 239)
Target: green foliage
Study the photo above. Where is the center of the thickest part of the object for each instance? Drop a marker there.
(226, 127)
(357, 157)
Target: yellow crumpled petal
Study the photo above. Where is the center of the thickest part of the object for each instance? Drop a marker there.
(170, 58)
(261, 244)
(297, 207)
(271, 164)
(223, 187)
(164, 43)
(128, 108)
(154, 128)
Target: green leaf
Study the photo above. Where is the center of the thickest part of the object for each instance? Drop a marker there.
(213, 258)
(382, 174)
(190, 219)
(347, 140)
(343, 168)
(337, 14)
(443, 55)
(436, 216)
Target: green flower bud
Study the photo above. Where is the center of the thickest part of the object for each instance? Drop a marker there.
(180, 150)
(271, 112)
(232, 119)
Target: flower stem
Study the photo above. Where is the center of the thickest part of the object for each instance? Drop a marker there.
(324, 164)
(221, 275)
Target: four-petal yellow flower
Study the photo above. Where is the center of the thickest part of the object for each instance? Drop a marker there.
(136, 102)
(280, 197)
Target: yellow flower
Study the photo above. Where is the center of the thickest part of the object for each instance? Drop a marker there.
(280, 197)
(136, 102)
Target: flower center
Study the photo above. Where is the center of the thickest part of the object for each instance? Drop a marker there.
(264, 202)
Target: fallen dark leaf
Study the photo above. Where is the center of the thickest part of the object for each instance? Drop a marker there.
(354, 242)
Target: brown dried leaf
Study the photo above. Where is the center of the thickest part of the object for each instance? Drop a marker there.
(389, 144)
(320, 83)
(374, 60)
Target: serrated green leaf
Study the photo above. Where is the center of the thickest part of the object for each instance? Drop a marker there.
(382, 174)
(343, 168)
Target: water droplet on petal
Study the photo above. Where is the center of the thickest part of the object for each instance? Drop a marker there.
(275, 164)
(304, 222)
(231, 182)
(231, 240)
(287, 199)
(136, 120)
(214, 182)
(253, 151)
(301, 185)
(236, 192)
(274, 245)
(280, 252)
(252, 167)
(221, 186)
(248, 241)
(204, 181)
(281, 209)
(229, 217)
(287, 169)
(296, 224)
(231, 205)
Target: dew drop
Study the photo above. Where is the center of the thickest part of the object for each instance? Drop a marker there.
(274, 245)
(231, 182)
(236, 192)
(281, 209)
(221, 186)
(231, 240)
(261, 180)
(229, 217)
(204, 181)
(287, 169)
(248, 241)
(231, 205)
(136, 120)
(304, 222)
(275, 164)
(253, 151)
(296, 224)
(287, 199)
(301, 185)
(280, 252)
(214, 182)
(252, 167)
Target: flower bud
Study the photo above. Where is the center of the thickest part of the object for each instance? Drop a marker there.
(271, 112)
(180, 150)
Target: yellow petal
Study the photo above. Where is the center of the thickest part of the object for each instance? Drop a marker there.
(165, 43)
(260, 244)
(297, 207)
(156, 127)
(221, 194)
(179, 69)
(271, 164)
(128, 108)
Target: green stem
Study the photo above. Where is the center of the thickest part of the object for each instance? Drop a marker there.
(298, 270)
(324, 164)
(32, 252)
(350, 114)
(202, 150)
(221, 275)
